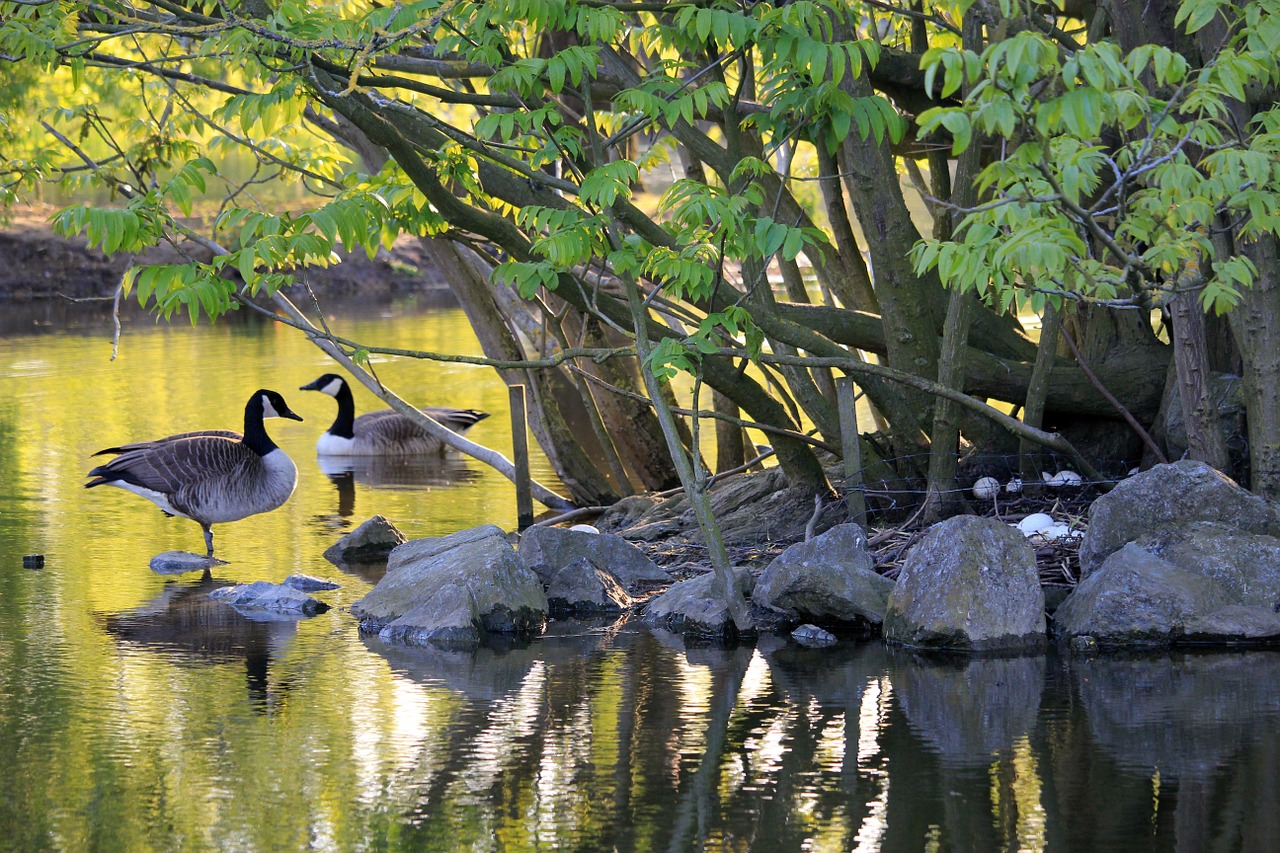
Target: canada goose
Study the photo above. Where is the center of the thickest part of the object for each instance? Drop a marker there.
(385, 432)
(209, 476)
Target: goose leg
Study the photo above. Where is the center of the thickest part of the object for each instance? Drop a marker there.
(208, 539)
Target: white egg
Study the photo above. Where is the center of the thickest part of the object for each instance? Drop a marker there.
(986, 488)
(585, 528)
(1014, 486)
(1052, 533)
(1062, 478)
(1133, 471)
(1034, 523)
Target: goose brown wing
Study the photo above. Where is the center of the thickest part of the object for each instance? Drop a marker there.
(390, 429)
(139, 445)
(457, 420)
(170, 464)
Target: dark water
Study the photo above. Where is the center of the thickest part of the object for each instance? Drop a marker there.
(135, 714)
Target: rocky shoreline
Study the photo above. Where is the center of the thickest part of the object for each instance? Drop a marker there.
(1178, 555)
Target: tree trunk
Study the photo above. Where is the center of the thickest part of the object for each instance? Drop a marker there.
(1190, 355)
(565, 446)
(1256, 323)
(731, 444)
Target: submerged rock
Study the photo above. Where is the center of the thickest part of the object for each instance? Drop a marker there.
(831, 576)
(263, 595)
(813, 637)
(970, 583)
(450, 590)
(180, 562)
(307, 583)
(371, 542)
(547, 550)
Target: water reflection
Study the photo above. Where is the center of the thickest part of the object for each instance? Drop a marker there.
(184, 624)
(131, 706)
(392, 472)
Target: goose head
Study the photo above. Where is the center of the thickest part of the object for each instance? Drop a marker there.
(272, 405)
(331, 384)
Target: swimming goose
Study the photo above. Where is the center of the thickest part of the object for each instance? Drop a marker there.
(209, 476)
(385, 432)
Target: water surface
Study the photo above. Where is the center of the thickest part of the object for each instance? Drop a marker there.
(137, 715)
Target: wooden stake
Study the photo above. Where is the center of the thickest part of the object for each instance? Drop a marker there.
(520, 450)
(852, 447)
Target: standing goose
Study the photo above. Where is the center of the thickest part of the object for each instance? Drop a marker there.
(385, 432)
(209, 476)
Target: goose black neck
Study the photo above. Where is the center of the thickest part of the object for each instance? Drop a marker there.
(255, 434)
(344, 423)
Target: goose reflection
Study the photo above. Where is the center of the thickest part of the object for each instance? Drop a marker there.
(191, 629)
(391, 472)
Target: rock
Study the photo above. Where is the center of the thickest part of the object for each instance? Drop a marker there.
(695, 607)
(832, 576)
(970, 583)
(307, 583)
(1235, 623)
(581, 588)
(1136, 598)
(451, 590)
(1244, 566)
(813, 637)
(370, 542)
(1203, 583)
(547, 550)
(180, 562)
(263, 595)
(1167, 497)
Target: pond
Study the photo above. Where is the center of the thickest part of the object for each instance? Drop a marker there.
(135, 714)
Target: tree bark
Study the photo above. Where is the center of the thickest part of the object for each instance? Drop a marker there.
(565, 446)
(1256, 323)
(1205, 442)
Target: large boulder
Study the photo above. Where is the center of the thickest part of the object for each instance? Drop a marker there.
(1245, 566)
(971, 583)
(695, 606)
(547, 550)
(1168, 497)
(1205, 584)
(830, 577)
(1135, 598)
(454, 589)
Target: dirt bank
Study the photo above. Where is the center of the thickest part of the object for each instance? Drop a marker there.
(37, 264)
